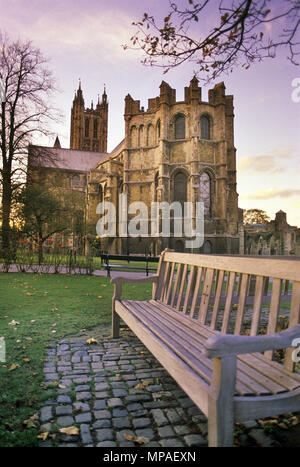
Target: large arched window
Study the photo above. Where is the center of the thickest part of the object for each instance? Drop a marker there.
(100, 189)
(155, 186)
(141, 136)
(205, 127)
(158, 130)
(180, 187)
(205, 193)
(180, 126)
(87, 128)
(95, 132)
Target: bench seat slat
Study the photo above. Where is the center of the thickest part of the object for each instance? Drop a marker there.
(250, 380)
(263, 367)
(259, 384)
(183, 340)
(245, 385)
(184, 352)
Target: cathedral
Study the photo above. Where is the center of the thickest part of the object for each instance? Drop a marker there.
(173, 151)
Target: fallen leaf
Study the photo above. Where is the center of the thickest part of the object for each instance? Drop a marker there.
(13, 366)
(43, 435)
(13, 323)
(71, 430)
(142, 385)
(141, 440)
(26, 359)
(61, 386)
(137, 440)
(28, 293)
(99, 296)
(30, 422)
(92, 341)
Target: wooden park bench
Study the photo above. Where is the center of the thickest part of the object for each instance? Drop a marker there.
(110, 262)
(202, 325)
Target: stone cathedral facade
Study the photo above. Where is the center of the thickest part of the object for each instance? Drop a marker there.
(172, 151)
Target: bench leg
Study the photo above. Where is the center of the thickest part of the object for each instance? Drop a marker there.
(220, 425)
(115, 322)
(220, 402)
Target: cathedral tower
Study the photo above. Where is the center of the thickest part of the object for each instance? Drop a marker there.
(89, 125)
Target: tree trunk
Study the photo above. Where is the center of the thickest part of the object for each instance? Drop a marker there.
(6, 209)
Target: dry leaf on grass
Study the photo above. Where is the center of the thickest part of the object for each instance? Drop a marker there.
(71, 430)
(13, 366)
(43, 435)
(30, 422)
(26, 359)
(13, 323)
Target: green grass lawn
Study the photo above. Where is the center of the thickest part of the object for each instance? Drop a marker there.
(47, 308)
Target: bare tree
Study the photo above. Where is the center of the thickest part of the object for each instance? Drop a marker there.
(26, 89)
(241, 32)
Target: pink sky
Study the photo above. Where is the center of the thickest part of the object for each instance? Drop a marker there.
(83, 40)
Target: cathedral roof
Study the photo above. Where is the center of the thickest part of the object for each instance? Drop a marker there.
(67, 159)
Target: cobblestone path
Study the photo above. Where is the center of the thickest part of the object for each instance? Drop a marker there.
(115, 392)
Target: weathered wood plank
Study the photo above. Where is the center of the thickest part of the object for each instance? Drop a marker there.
(220, 279)
(169, 288)
(241, 304)
(281, 269)
(205, 295)
(181, 288)
(196, 292)
(191, 283)
(257, 305)
(274, 310)
(228, 304)
(294, 319)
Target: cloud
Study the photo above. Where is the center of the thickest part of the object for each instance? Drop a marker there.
(274, 162)
(87, 33)
(272, 193)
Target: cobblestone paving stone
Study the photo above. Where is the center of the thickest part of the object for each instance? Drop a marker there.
(117, 389)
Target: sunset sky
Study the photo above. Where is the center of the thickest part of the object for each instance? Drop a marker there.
(83, 39)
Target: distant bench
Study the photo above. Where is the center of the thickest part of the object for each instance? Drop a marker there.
(194, 324)
(109, 262)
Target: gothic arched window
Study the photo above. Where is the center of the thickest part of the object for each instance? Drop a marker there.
(205, 193)
(141, 136)
(180, 127)
(180, 187)
(87, 127)
(95, 134)
(205, 127)
(75, 180)
(158, 129)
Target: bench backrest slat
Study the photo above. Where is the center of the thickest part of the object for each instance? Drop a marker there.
(257, 305)
(196, 292)
(205, 296)
(229, 296)
(181, 287)
(238, 295)
(243, 285)
(294, 319)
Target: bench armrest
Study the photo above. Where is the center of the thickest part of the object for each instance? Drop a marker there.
(225, 344)
(118, 281)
